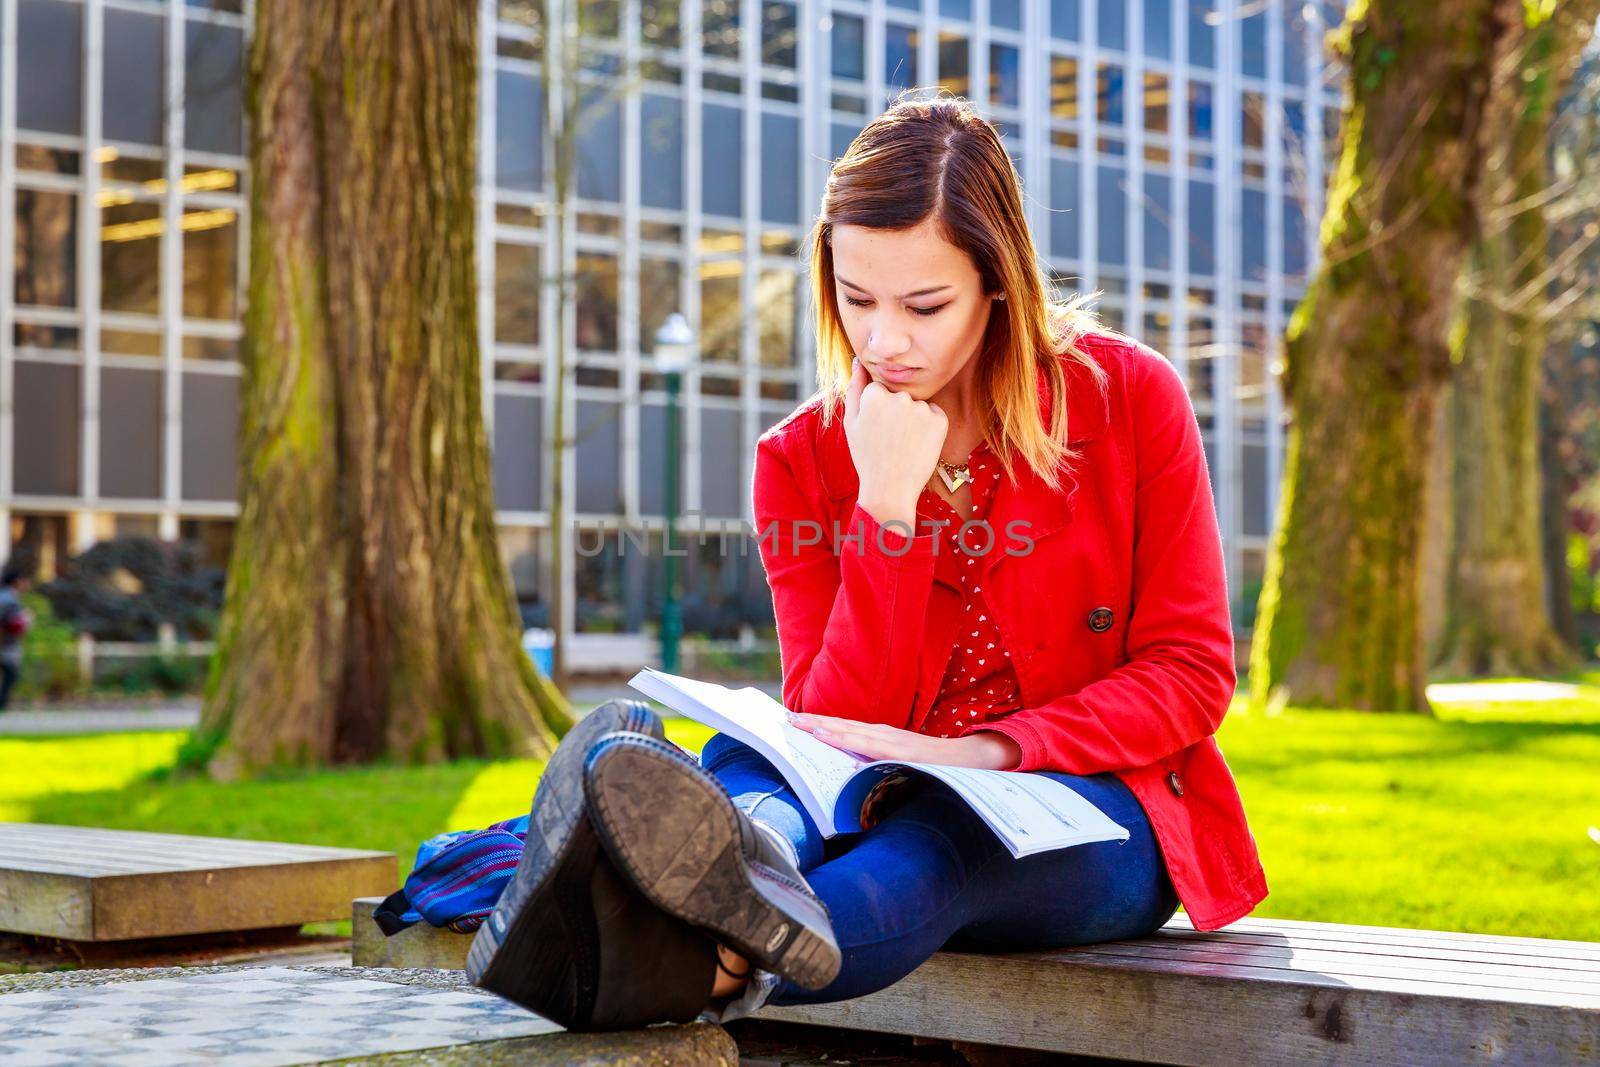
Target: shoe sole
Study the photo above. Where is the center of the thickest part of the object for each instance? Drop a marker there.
(672, 829)
(525, 957)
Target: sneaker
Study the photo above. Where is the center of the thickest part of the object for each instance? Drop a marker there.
(569, 937)
(672, 830)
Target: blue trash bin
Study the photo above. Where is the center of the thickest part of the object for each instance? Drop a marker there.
(540, 645)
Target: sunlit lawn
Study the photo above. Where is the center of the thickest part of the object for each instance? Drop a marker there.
(1476, 820)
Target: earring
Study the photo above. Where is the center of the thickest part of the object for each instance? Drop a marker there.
(1000, 296)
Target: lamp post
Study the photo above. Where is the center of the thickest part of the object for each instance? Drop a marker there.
(675, 350)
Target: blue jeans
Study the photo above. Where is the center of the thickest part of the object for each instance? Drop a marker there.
(933, 874)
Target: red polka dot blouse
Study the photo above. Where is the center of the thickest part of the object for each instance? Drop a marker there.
(979, 684)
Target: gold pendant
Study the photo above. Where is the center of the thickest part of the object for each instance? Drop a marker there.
(953, 481)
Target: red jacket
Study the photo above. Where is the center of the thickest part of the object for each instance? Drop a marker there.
(1116, 620)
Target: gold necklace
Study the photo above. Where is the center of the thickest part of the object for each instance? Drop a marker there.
(954, 475)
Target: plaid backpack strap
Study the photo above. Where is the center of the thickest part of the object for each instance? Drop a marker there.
(457, 879)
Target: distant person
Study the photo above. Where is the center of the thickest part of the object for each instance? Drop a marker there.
(14, 622)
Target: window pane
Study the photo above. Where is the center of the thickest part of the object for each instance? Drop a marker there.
(899, 57)
(1157, 94)
(1113, 24)
(720, 28)
(1004, 76)
(722, 188)
(1108, 93)
(661, 151)
(597, 302)
(210, 431)
(778, 34)
(135, 75)
(955, 63)
(1064, 19)
(1157, 222)
(210, 254)
(1294, 236)
(775, 306)
(1111, 216)
(1295, 30)
(518, 444)
(213, 66)
(518, 129)
(780, 168)
(516, 294)
(599, 18)
(1064, 88)
(840, 137)
(1202, 238)
(50, 67)
(1252, 119)
(130, 433)
(1005, 14)
(956, 9)
(719, 311)
(1253, 44)
(1200, 111)
(1158, 28)
(130, 257)
(849, 47)
(659, 289)
(1203, 33)
(599, 457)
(1253, 235)
(1064, 209)
(45, 430)
(46, 253)
(600, 148)
(660, 23)
(721, 463)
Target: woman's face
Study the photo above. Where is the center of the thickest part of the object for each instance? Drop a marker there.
(913, 305)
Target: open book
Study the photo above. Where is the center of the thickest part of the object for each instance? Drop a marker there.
(1029, 812)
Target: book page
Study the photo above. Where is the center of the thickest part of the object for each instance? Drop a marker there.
(1029, 812)
(817, 772)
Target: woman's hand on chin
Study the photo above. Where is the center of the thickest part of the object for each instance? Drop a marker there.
(984, 749)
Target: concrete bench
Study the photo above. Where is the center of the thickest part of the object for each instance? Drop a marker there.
(84, 884)
(1258, 992)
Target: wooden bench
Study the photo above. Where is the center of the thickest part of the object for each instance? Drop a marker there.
(85, 884)
(1258, 992)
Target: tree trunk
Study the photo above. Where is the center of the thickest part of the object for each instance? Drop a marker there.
(368, 613)
(1367, 356)
(1496, 618)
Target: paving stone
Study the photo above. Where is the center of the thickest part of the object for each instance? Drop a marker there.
(282, 1016)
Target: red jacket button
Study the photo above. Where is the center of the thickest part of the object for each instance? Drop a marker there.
(1175, 784)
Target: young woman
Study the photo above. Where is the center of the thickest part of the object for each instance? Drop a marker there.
(991, 542)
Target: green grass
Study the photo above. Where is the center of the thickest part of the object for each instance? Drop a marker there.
(1475, 820)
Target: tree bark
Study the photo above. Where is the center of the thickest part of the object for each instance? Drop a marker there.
(1367, 357)
(1495, 617)
(368, 613)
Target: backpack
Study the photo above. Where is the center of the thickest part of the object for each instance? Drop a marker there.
(458, 877)
(15, 624)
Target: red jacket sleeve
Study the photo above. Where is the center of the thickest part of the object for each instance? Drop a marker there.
(850, 625)
(1179, 679)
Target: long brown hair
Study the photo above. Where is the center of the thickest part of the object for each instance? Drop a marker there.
(938, 158)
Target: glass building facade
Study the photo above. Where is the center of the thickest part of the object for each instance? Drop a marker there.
(1174, 156)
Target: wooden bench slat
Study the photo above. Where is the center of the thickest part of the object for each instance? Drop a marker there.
(1354, 968)
(1590, 949)
(1454, 958)
(89, 884)
(1464, 958)
(1453, 949)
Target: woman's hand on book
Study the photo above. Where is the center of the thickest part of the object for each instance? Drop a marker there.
(985, 749)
